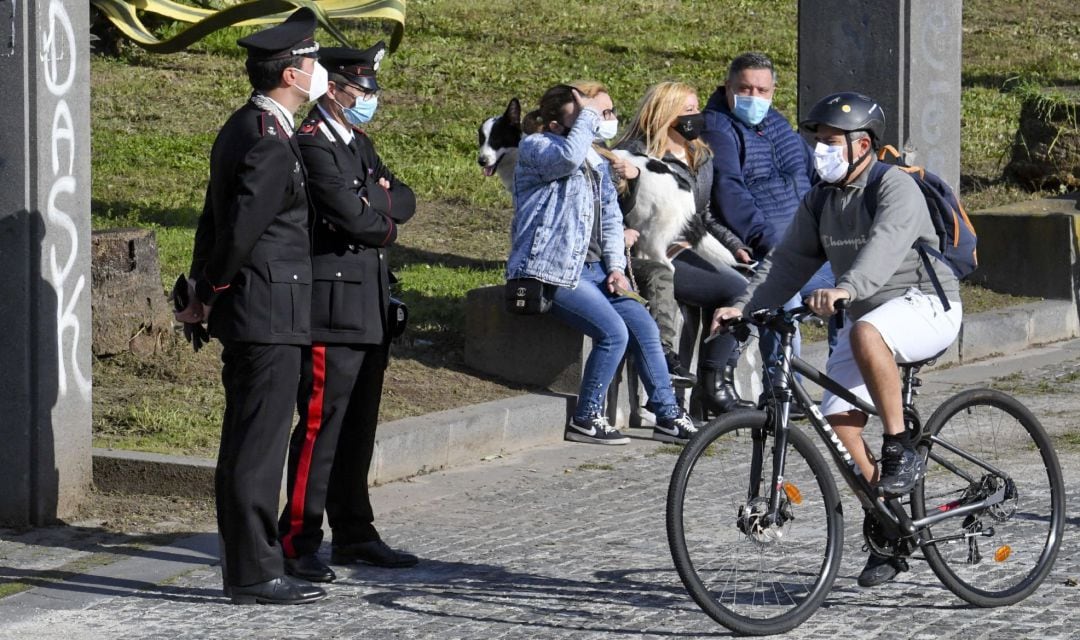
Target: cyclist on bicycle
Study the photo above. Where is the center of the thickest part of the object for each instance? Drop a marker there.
(896, 314)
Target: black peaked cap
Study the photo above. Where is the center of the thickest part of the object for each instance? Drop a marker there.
(293, 37)
(358, 66)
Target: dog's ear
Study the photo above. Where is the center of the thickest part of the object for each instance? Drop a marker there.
(513, 112)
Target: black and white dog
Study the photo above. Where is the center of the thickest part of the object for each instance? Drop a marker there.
(665, 208)
(499, 138)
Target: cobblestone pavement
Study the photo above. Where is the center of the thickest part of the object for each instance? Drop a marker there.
(561, 542)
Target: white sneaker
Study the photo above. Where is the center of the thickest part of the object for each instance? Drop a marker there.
(594, 430)
(678, 429)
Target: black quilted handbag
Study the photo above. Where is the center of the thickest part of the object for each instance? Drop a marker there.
(528, 296)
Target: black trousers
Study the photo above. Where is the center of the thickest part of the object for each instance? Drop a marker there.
(331, 447)
(701, 283)
(259, 380)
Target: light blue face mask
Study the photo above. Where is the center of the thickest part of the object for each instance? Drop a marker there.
(361, 112)
(751, 109)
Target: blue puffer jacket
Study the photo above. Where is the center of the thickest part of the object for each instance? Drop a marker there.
(554, 207)
(760, 174)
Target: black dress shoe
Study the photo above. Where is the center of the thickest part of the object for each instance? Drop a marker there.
(309, 567)
(281, 590)
(376, 553)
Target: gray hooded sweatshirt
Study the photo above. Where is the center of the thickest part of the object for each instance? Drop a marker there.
(874, 259)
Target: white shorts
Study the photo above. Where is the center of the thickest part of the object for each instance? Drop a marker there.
(915, 327)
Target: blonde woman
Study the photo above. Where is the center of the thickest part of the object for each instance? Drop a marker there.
(666, 127)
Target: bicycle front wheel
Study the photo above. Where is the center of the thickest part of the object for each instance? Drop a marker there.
(750, 574)
(986, 445)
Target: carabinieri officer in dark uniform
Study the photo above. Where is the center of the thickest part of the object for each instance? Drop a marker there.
(252, 273)
(358, 204)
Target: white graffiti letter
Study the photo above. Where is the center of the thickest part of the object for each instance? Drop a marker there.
(66, 317)
(54, 50)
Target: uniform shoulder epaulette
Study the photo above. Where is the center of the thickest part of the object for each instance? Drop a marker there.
(308, 127)
(268, 124)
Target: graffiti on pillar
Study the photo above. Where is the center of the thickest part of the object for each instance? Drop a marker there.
(7, 16)
(58, 56)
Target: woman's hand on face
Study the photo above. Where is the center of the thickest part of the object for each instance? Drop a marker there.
(630, 236)
(624, 169)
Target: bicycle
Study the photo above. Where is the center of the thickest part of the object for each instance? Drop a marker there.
(754, 518)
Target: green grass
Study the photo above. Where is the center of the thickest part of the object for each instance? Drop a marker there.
(1018, 384)
(170, 404)
(154, 118)
(596, 466)
(435, 294)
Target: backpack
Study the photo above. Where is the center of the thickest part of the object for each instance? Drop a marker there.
(956, 235)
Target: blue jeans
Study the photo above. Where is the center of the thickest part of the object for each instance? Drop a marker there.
(612, 322)
(769, 341)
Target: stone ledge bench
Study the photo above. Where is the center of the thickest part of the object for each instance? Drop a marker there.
(543, 352)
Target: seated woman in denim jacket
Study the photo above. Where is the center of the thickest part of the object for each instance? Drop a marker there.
(567, 231)
(666, 127)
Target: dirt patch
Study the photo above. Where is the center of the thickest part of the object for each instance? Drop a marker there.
(143, 514)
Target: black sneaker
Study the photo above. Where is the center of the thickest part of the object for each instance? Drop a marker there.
(880, 569)
(594, 430)
(681, 378)
(901, 469)
(678, 429)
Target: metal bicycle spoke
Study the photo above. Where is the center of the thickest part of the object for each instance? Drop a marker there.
(748, 572)
(993, 452)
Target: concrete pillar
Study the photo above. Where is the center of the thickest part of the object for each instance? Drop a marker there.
(905, 54)
(45, 461)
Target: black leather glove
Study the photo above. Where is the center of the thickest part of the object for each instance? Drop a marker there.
(196, 335)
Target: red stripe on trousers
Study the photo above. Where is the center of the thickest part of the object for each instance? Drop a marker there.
(303, 466)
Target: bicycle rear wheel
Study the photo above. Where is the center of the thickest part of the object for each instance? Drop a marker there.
(752, 576)
(998, 555)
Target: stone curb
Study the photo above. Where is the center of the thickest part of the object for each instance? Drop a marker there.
(456, 437)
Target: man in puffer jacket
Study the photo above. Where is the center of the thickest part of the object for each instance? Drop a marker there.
(761, 171)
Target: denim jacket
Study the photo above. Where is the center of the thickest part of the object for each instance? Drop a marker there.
(554, 206)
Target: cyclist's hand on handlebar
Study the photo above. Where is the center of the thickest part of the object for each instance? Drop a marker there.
(823, 301)
(722, 318)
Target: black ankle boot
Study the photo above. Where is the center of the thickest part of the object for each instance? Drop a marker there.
(718, 391)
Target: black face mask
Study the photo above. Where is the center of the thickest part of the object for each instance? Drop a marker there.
(691, 126)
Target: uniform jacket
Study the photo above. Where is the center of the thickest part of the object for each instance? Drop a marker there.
(351, 287)
(554, 206)
(760, 173)
(251, 252)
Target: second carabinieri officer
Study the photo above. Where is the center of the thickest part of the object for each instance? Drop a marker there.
(358, 204)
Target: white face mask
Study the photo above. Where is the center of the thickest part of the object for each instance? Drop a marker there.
(608, 129)
(319, 82)
(829, 162)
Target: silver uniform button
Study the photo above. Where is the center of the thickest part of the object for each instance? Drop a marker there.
(338, 274)
(295, 277)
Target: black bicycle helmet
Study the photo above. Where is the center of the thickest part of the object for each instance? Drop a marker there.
(847, 111)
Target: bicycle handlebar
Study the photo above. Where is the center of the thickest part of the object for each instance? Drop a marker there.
(778, 319)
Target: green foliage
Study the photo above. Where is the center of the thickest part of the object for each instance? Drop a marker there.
(154, 117)
(436, 295)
